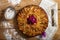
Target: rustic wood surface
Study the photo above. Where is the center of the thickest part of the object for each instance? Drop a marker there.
(58, 1)
(4, 4)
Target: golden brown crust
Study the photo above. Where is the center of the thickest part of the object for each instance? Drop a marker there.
(36, 28)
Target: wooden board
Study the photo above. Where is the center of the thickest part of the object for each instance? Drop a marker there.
(4, 4)
(58, 1)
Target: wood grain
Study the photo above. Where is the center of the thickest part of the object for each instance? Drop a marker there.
(58, 1)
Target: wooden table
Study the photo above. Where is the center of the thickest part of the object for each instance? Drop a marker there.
(4, 4)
